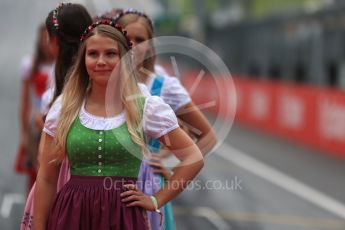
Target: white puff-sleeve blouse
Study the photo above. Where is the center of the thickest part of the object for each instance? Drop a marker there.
(173, 93)
(158, 118)
(52, 118)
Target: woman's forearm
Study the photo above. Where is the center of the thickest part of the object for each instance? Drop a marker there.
(197, 127)
(183, 147)
(207, 142)
(44, 193)
(183, 174)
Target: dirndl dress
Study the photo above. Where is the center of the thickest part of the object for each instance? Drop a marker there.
(101, 162)
(103, 157)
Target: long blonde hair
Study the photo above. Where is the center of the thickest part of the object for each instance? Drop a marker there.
(150, 56)
(78, 85)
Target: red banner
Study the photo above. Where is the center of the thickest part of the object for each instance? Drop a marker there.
(307, 115)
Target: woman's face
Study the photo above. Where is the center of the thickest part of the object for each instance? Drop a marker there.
(138, 34)
(101, 57)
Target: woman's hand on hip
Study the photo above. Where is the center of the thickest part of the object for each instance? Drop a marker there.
(134, 197)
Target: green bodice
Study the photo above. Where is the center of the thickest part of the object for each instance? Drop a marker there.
(102, 152)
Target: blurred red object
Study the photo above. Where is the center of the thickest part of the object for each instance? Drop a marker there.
(21, 164)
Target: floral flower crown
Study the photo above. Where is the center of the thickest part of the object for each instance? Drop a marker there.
(109, 22)
(56, 12)
(133, 11)
(108, 14)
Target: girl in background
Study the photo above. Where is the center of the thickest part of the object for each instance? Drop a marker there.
(37, 75)
(140, 31)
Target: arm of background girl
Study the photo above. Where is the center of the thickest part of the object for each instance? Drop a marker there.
(45, 182)
(191, 159)
(25, 111)
(182, 146)
(199, 126)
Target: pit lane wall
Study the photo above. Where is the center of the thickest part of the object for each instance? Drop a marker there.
(307, 115)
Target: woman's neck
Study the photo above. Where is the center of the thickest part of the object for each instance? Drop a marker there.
(104, 102)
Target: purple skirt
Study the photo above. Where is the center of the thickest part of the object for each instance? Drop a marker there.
(94, 203)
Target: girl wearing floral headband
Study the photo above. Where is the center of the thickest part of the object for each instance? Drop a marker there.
(100, 123)
(140, 30)
(64, 24)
